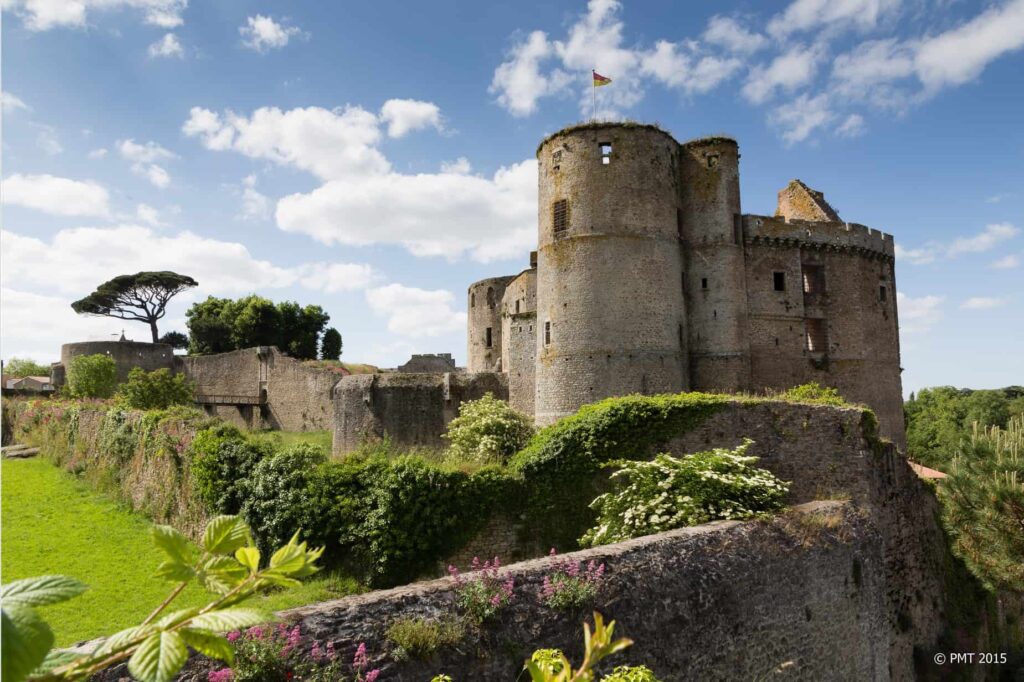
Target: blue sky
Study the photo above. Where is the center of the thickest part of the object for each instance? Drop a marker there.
(376, 158)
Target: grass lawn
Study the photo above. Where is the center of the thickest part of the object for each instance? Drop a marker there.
(54, 524)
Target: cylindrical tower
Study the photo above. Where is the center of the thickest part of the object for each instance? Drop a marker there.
(484, 328)
(610, 314)
(711, 233)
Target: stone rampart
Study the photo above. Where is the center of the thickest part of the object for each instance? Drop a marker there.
(126, 355)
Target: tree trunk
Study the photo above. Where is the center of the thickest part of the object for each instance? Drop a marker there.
(152, 328)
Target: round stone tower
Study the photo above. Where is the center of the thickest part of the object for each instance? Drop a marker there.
(610, 313)
(484, 328)
(711, 231)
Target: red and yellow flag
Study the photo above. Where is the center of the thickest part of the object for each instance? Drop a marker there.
(600, 80)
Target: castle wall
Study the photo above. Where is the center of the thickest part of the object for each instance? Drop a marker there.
(610, 318)
(519, 340)
(412, 410)
(715, 275)
(126, 355)
(484, 306)
(853, 263)
(440, 362)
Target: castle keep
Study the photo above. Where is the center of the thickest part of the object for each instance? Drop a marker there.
(649, 279)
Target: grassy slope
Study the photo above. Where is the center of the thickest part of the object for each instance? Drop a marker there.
(53, 524)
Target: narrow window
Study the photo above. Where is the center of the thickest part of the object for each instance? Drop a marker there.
(606, 152)
(560, 215)
(472, 300)
(489, 339)
(814, 279)
(703, 282)
(517, 306)
(547, 333)
(737, 228)
(817, 336)
(712, 160)
(679, 222)
(881, 293)
(779, 279)
(490, 297)
(556, 156)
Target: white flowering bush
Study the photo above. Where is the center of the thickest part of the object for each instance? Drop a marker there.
(487, 431)
(669, 492)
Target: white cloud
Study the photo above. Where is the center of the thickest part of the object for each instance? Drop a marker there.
(788, 71)
(804, 15)
(728, 33)
(335, 277)
(800, 118)
(143, 157)
(47, 141)
(406, 115)
(10, 103)
(982, 303)
(157, 176)
(56, 195)
(985, 240)
(255, 206)
(262, 34)
(43, 15)
(416, 312)
(518, 81)
(677, 69)
(961, 54)
(921, 256)
(149, 215)
(918, 314)
(1006, 262)
(168, 46)
(460, 166)
(27, 333)
(96, 154)
(852, 126)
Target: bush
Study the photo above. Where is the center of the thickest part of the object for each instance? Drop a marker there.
(421, 638)
(669, 492)
(814, 393)
(275, 503)
(156, 390)
(223, 459)
(571, 586)
(91, 376)
(486, 431)
(483, 593)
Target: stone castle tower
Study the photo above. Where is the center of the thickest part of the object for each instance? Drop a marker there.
(648, 279)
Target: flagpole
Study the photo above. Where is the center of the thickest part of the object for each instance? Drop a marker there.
(593, 87)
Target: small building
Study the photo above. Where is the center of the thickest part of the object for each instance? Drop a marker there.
(31, 385)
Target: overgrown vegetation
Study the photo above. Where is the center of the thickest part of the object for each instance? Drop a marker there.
(24, 367)
(669, 492)
(983, 504)
(156, 390)
(91, 376)
(487, 431)
(813, 393)
(422, 637)
(940, 419)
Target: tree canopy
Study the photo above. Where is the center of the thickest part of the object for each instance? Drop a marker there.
(219, 325)
(175, 340)
(142, 297)
(22, 367)
(330, 345)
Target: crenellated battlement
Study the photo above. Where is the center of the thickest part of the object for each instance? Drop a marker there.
(818, 234)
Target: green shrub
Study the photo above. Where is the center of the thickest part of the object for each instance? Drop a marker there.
(486, 431)
(222, 461)
(814, 392)
(670, 492)
(275, 495)
(91, 376)
(156, 390)
(421, 638)
(631, 673)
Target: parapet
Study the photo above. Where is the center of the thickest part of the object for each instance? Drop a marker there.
(818, 234)
(603, 125)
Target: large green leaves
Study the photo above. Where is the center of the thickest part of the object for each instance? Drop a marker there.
(40, 591)
(209, 644)
(229, 619)
(225, 534)
(159, 657)
(25, 639)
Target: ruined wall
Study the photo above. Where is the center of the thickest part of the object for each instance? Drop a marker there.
(519, 340)
(484, 324)
(126, 355)
(855, 308)
(412, 410)
(419, 363)
(609, 271)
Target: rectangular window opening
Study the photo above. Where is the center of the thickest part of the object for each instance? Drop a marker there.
(547, 333)
(560, 215)
(882, 293)
(814, 278)
(737, 228)
(817, 336)
(472, 300)
(703, 282)
(606, 152)
(517, 306)
(779, 281)
(489, 339)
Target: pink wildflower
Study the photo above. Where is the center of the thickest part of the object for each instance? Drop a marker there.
(233, 636)
(372, 675)
(255, 632)
(330, 651)
(315, 652)
(360, 660)
(222, 675)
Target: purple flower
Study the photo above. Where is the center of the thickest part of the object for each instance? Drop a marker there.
(255, 632)
(372, 675)
(360, 660)
(233, 636)
(222, 675)
(330, 651)
(315, 652)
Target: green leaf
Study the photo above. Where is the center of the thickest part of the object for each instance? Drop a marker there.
(248, 557)
(209, 644)
(159, 657)
(25, 640)
(173, 544)
(46, 589)
(172, 619)
(271, 577)
(289, 558)
(221, 573)
(225, 534)
(175, 571)
(230, 619)
(55, 659)
(119, 640)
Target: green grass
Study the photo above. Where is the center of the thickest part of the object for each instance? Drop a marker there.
(53, 524)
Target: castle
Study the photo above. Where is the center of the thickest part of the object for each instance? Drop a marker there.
(648, 279)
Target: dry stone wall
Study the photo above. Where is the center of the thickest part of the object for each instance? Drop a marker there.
(126, 355)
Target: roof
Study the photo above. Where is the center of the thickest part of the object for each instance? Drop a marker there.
(44, 380)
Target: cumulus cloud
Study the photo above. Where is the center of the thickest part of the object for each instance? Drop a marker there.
(518, 81)
(920, 314)
(985, 240)
(148, 215)
(678, 68)
(730, 34)
(56, 195)
(47, 141)
(168, 46)
(787, 72)
(43, 15)
(798, 119)
(805, 15)
(982, 303)
(852, 126)
(460, 166)
(416, 312)
(1006, 262)
(255, 206)
(406, 115)
(11, 103)
(262, 33)
(363, 201)
(96, 154)
(143, 158)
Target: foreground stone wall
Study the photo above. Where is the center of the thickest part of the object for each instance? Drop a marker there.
(126, 355)
(412, 410)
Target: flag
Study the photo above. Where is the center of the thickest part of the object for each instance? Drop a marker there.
(600, 80)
